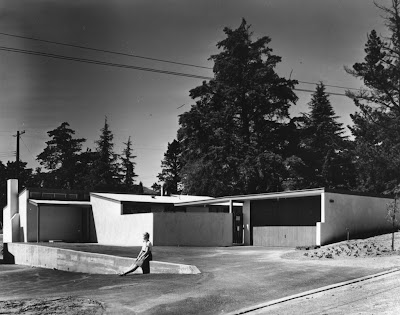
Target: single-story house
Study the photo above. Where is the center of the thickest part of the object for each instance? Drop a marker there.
(291, 218)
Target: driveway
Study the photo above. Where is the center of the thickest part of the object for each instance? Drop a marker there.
(232, 278)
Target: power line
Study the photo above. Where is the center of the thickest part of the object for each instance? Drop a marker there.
(334, 86)
(118, 65)
(98, 62)
(143, 57)
(331, 93)
(27, 148)
(105, 51)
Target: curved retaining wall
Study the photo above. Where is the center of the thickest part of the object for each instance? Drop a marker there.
(71, 260)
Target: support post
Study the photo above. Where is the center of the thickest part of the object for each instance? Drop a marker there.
(230, 206)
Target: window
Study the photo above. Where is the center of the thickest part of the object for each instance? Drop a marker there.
(135, 207)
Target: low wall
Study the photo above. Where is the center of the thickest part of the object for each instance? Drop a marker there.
(75, 261)
(192, 229)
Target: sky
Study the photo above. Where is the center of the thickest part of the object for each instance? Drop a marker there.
(315, 39)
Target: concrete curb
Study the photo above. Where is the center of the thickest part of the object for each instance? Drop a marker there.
(76, 261)
(261, 306)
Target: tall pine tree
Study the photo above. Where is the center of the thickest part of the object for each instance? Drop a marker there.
(376, 128)
(105, 173)
(232, 138)
(325, 148)
(171, 168)
(128, 167)
(60, 157)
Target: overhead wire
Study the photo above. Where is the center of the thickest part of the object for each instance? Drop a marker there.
(104, 50)
(144, 57)
(99, 62)
(27, 148)
(125, 66)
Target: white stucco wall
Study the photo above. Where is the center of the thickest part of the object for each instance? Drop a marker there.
(7, 237)
(23, 208)
(10, 213)
(360, 214)
(12, 196)
(193, 229)
(246, 222)
(115, 229)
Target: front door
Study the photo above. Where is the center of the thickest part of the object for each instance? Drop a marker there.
(237, 228)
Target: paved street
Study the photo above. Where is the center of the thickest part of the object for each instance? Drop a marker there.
(375, 296)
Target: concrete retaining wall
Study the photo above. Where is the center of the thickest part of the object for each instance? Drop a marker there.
(71, 260)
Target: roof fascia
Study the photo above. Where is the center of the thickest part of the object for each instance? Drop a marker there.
(242, 198)
(105, 198)
(43, 204)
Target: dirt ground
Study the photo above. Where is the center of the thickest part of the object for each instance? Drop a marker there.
(377, 246)
(303, 265)
(60, 305)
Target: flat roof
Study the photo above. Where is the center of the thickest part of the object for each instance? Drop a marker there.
(242, 198)
(37, 202)
(173, 199)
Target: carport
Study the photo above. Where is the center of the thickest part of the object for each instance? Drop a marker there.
(59, 220)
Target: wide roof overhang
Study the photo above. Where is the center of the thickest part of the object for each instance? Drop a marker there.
(65, 203)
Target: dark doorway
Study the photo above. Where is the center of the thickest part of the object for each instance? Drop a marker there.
(237, 228)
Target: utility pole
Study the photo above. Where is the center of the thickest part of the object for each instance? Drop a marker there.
(18, 135)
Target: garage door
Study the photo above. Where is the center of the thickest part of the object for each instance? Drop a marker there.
(285, 236)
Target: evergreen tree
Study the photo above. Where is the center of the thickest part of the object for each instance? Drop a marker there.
(324, 148)
(60, 156)
(233, 138)
(105, 172)
(128, 166)
(139, 189)
(85, 163)
(171, 167)
(376, 128)
(156, 188)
